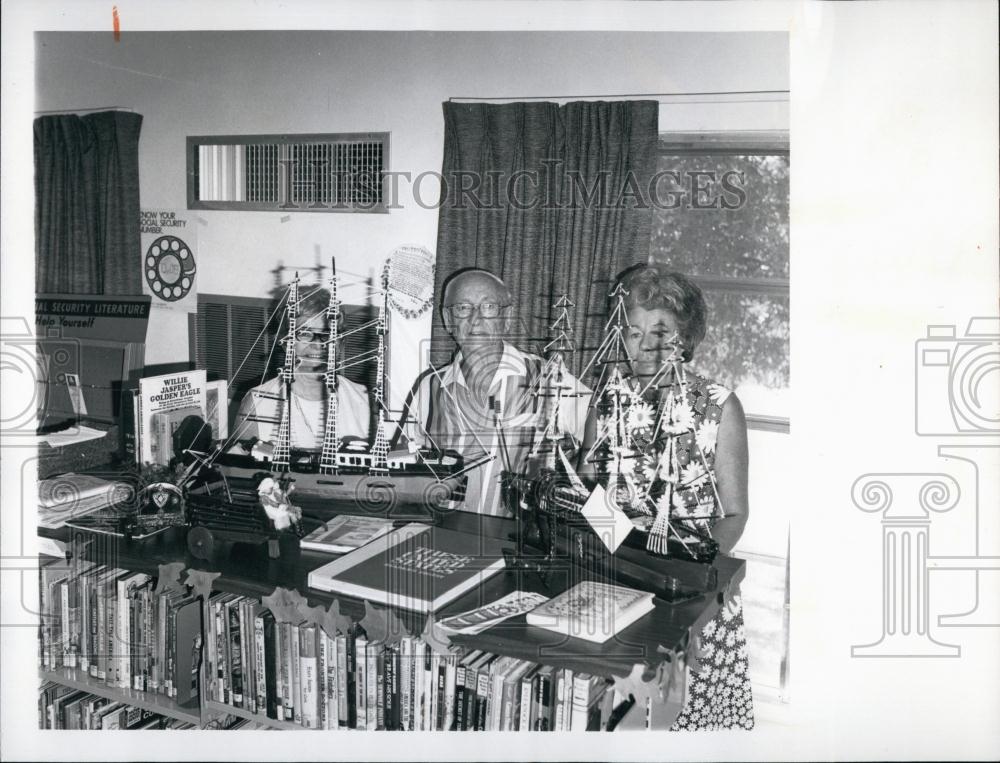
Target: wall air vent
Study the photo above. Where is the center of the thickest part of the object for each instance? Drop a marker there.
(335, 172)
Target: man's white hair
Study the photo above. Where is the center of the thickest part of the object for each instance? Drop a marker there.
(456, 279)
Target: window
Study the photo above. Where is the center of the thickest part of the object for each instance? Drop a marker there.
(230, 338)
(722, 219)
(337, 172)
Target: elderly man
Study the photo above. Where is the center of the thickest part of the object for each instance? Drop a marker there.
(489, 387)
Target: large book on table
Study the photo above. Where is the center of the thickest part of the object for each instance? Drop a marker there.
(415, 567)
(592, 610)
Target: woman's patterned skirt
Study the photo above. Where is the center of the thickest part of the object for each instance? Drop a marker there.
(719, 695)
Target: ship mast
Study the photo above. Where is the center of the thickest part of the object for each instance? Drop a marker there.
(328, 458)
(281, 457)
(614, 453)
(380, 448)
(551, 381)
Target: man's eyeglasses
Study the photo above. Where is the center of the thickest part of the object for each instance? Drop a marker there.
(485, 309)
(312, 335)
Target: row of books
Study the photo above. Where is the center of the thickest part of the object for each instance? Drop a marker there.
(112, 625)
(296, 672)
(62, 707)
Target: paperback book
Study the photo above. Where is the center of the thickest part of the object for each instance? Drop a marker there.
(591, 610)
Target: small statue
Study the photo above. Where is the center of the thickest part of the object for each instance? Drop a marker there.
(274, 498)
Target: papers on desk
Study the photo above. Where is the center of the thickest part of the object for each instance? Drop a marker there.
(71, 436)
(477, 620)
(70, 496)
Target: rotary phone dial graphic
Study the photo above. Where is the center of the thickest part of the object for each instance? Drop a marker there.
(169, 268)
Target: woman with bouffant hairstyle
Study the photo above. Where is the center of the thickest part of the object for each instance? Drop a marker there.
(667, 319)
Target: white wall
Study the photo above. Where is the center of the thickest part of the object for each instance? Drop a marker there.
(196, 83)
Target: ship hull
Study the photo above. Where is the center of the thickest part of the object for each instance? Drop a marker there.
(417, 485)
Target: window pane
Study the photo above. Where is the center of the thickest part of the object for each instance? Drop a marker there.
(726, 215)
(746, 348)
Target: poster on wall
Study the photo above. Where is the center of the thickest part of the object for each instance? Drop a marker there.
(169, 251)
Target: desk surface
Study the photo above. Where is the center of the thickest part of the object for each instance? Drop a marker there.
(247, 569)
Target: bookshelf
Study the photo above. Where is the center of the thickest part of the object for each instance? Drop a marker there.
(161, 705)
(248, 571)
(219, 708)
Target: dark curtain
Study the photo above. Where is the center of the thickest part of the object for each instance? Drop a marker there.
(87, 203)
(553, 199)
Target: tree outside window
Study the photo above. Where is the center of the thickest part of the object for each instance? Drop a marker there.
(722, 218)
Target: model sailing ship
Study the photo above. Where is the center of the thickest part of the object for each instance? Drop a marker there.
(634, 458)
(371, 475)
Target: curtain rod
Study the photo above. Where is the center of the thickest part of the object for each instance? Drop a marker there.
(620, 95)
(82, 111)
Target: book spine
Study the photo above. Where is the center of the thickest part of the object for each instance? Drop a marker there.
(559, 696)
(295, 670)
(308, 676)
(578, 699)
(405, 656)
(260, 662)
(101, 641)
(394, 692)
(360, 672)
(460, 672)
(420, 669)
(111, 634)
(92, 624)
(450, 679)
(482, 692)
(497, 698)
(153, 652)
(371, 686)
(246, 657)
(321, 677)
(83, 599)
(441, 694)
(171, 665)
(221, 652)
(211, 660)
(541, 711)
(322, 666)
(149, 641)
(342, 681)
(510, 690)
(271, 651)
(135, 638)
(333, 676)
(524, 716)
(122, 626)
(380, 688)
(235, 653)
(129, 427)
(389, 657)
(283, 650)
(350, 688)
(65, 618)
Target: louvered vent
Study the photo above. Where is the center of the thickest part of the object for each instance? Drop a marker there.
(307, 173)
